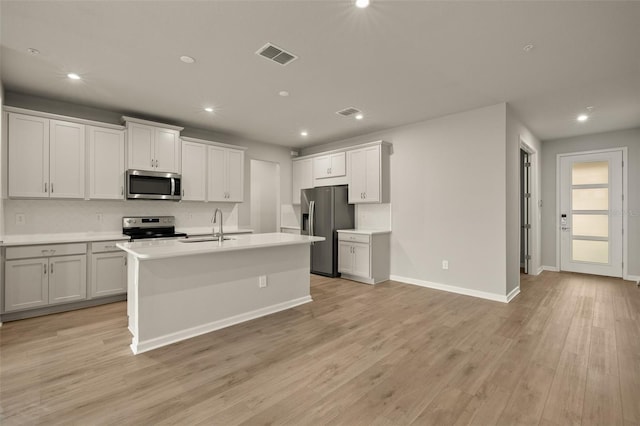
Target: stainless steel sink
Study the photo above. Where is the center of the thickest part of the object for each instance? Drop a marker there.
(204, 240)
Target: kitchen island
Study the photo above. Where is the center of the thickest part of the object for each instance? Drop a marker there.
(179, 289)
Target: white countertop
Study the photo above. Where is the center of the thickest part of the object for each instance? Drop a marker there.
(365, 231)
(173, 248)
(78, 237)
(207, 230)
(290, 227)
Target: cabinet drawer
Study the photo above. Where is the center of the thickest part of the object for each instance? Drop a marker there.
(45, 250)
(356, 238)
(105, 246)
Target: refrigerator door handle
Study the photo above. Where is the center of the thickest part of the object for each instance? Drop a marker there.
(312, 211)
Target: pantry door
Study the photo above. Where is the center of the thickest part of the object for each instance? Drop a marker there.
(590, 215)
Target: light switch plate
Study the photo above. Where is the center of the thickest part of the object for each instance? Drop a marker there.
(20, 219)
(445, 264)
(262, 281)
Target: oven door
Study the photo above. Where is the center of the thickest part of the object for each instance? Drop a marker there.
(146, 185)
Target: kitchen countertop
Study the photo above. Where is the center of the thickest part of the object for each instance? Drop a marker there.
(365, 231)
(290, 227)
(207, 230)
(76, 237)
(173, 248)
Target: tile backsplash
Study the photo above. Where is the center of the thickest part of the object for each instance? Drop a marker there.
(373, 216)
(60, 216)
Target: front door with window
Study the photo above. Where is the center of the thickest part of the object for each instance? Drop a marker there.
(591, 213)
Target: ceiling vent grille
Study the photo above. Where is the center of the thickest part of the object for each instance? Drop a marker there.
(275, 54)
(348, 112)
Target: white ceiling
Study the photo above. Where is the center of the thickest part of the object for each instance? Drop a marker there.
(398, 61)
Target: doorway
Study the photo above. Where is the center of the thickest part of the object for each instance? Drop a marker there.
(265, 196)
(590, 216)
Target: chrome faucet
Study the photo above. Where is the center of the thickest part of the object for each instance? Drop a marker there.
(213, 220)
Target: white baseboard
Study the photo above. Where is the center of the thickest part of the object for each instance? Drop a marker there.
(144, 346)
(550, 268)
(635, 278)
(513, 293)
(539, 271)
(455, 289)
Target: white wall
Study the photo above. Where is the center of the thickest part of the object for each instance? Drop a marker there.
(265, 200)
(550, 150)
(41, 213)
(448, 179)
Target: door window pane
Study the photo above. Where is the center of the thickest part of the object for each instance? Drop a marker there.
(595, 172)
(590, 225)
(590, 251)
(590, 199)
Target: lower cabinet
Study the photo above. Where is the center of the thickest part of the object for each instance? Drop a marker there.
(108, 274)
(354, 258)
(67, 279)
(364, 257)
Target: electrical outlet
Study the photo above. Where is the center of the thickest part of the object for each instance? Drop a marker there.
(20, 219)
(262, 281)
(445, 264)
(99, 217)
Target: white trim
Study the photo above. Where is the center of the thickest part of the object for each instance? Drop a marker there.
(151, 123)
(138, 347)
(345, 149)
(213, 143)
(635, 278)
(550, 268)
(513, 293)
(452, 289)
(540, 269)
(365, 280)
(534, 211)
(62, 117)
(625, 202)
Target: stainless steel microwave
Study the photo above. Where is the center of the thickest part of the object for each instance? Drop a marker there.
(146, 185)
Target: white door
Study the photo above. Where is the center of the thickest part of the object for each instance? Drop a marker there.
(361, 263)
(106, 163)
(372, 179)
(591, 213)
(345, 257)
(216, 174)
(357, 175)
(66, 160)
(26, 283)
(108, 274)
(67, 278)
(194, 171)
(28, 156)
(338, 166)
(235, 176)
(166, 151)
(140, 142)
(302, 178)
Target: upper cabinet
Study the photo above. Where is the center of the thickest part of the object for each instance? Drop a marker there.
(153, 146)
(331, 165)
(368, 174)
(225, 174)
(302, 178)
(46, 157)
(106, 163)
(194, 171)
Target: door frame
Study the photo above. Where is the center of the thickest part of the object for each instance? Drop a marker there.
(534, 210)
(625, 198)
(278, 190)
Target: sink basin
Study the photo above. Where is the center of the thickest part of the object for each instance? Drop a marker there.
(204, 240)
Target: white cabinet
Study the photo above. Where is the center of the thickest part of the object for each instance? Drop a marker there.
(108, 270)
(331, 165)
(368, 174)
(106, 163)
(26, 284)
(364, 257)
(46, 158)
(302, 178)
(194, 171)
(67, 279)
(152, 147)
(225, 174)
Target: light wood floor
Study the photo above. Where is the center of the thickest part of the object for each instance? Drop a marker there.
(565, 351)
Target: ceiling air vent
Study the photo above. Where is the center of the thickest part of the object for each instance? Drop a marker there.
(276, 54)
(348, 112)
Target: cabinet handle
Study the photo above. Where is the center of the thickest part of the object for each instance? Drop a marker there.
(51, 269)
(52, 187)
(152, 162)
(183, 192)
(110, 246)
(45, 187)
(365, 195)
(125, 261)
(49, 252)
(45, 268)
(122, 190)
(156, 164)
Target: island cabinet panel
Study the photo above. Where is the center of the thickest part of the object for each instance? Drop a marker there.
(106, 163)
(302, 178)
(153, 148)
(194, 171)
(26, 284)
(67, 279)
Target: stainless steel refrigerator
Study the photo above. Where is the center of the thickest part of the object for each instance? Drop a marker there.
(324, 211)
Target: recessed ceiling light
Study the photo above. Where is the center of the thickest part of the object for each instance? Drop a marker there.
(304, 133)
(208, 109)
(582, 118)
(362, 3)
(528, 47)
(33, 51)
(187, 59)
(283, 93)
(73, 76)
(359, 117)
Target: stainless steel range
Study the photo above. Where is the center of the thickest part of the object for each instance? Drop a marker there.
(151, 227)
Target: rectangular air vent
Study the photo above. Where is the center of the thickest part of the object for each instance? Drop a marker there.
(275, 54)
(347, 112)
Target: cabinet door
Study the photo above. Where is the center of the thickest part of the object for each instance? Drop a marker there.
(66, 160)
(372, 179)
(337, 167)
(235, 176)
(108, 274)
(345, 257)
(302, 178)
(26, 284)
(321, 167)
(357, 176)
(194, 171)
(361, 263)
(106, 163)
(216, 174)
(67, 278)
(167, 151)
(28, 156)
(140, 143)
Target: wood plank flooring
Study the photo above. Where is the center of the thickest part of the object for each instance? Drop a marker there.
(565, 351)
